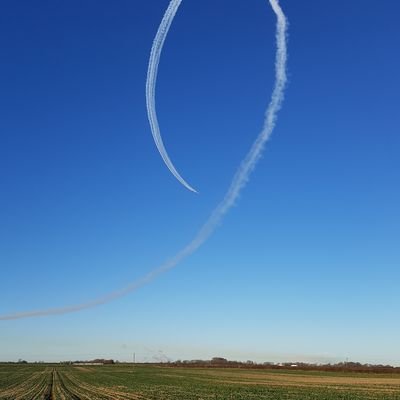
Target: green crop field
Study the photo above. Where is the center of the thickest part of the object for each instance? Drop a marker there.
(157, 383)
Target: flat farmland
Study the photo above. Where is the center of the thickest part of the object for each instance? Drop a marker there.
(124, 381)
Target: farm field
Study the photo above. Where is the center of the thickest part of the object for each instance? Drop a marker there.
(49, 382)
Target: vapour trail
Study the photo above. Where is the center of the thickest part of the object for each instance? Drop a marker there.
(239, 181)
(152, 71)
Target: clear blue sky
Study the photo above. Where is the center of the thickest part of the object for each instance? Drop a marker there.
(305, 267)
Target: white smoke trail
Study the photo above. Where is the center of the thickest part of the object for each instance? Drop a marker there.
(151, 87)
(239, 181)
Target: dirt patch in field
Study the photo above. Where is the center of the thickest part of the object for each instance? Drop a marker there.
(333, 380)
(83, 369)
(373, 383)
(369, 389)
(88, 391)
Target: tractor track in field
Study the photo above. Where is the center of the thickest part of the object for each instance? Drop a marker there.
(52, 384)
(60, 391)
(48, 388)
(38, 386)
(89, 392)
(47, 385)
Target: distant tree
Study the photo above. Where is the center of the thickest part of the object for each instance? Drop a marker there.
(218, 360)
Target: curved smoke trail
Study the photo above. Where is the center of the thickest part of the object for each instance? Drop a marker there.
(151, 87)
(239, 181)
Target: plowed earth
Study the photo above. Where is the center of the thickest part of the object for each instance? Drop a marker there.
(145, 382)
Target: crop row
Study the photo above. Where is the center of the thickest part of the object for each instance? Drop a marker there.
(122, 382)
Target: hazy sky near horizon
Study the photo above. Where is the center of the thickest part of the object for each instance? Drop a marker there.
(306, 266)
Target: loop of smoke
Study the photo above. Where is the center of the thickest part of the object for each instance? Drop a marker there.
(152, 71)
(239, 181)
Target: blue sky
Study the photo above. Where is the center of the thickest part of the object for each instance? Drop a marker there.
(306, 266)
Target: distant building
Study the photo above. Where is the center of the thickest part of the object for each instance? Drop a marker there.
(87, 363)
(99, 361)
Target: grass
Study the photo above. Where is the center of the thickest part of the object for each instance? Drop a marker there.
(165, 383)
